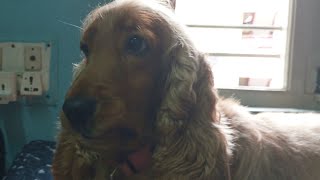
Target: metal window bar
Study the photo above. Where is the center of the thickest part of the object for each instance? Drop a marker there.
(240, 27)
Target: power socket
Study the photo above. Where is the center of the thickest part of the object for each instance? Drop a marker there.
(31, 84)
(32, 58)
(8, 87)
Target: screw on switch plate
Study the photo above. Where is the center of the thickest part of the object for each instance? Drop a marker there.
(32, 58)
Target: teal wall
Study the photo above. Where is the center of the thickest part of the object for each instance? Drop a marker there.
(38, 21)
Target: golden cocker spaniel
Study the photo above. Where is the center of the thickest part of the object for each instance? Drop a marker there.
(142, 105)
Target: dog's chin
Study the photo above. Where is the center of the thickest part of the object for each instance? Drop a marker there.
(109, 152)
(120, 133)
(116, 147)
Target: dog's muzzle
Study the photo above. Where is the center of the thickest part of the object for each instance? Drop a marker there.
(79, 111)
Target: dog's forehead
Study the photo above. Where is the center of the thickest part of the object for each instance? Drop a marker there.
(130, 16)
(125, 16)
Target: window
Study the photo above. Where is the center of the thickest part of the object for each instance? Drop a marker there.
(257, 48)
(246, 40)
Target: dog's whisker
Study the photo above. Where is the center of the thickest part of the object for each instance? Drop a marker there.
(113, 173)
(72, 25)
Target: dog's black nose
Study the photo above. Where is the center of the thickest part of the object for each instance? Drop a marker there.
(79, 111)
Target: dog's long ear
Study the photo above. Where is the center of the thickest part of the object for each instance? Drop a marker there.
(187, 122)
(188, 92)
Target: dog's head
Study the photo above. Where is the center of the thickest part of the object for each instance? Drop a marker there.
(140, 73)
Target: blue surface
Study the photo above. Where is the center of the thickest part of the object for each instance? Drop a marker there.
(34, 162)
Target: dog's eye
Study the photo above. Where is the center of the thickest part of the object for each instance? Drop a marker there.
(136, 45)
(85, 49)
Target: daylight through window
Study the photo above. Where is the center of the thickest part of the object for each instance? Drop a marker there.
(247, 41)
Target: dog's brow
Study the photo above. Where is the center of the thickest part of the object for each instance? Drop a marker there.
(131, 28)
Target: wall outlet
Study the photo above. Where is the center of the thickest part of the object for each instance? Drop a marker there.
(32, 58)
(8, 87)
(31, 84)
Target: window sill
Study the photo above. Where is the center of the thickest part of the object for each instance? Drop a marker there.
(282, 99)
(256, 110)
(253, 89)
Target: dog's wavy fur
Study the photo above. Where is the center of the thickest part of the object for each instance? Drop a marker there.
(198, 135)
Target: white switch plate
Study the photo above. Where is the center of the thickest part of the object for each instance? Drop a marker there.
(16, 54)
(12, 57)
(8, 87)
(31, 84)
(32, 58)
(0, 58)
(21, 59)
